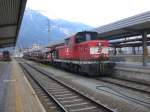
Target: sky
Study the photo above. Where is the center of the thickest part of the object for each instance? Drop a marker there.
(91, 12)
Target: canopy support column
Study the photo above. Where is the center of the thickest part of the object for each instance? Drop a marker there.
(145, 52)
(133, 50)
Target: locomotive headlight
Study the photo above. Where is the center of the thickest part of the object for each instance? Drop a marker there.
(105, 50)
(94, 50)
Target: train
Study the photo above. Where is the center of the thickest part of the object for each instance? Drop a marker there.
(81, 53)
(5, 56)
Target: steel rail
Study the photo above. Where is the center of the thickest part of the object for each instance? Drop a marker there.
(70, 88)
(45, 90)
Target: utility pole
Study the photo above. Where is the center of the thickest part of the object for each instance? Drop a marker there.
(49, 30)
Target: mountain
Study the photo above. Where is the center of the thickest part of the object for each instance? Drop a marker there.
(37, 28)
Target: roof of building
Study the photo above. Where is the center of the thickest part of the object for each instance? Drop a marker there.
(131, 26)
(11, 13)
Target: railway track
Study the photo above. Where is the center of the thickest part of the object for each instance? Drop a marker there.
(60, 96)
(140, 87)
(48, 103)
(145, 89)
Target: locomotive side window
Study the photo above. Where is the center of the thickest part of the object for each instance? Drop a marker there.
(55, 54)
(85, 36)
(88, 37)
(94, 35)
(80, 38)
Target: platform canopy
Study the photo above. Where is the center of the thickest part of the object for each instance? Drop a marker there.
(11, 13)
(131, 26)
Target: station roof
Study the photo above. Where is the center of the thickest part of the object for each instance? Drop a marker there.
(11, 13)
(133, 44)
(130, 40)
(131, 26)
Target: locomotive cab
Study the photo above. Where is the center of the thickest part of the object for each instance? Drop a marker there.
(94, 53)
(86, 36)
(90, 47)
(83, 51)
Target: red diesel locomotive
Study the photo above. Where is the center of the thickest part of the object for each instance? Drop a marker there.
(5, 56)
(81, 53)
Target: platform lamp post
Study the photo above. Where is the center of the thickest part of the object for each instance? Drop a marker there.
(145, 52)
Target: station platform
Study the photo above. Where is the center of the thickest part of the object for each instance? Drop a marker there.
(16, 93)
(129, 58)
(136, 65)
(132, 71)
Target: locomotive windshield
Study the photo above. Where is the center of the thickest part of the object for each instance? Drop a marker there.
(85, 36)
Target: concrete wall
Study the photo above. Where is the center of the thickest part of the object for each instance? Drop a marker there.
(133, 74)
(128, 58)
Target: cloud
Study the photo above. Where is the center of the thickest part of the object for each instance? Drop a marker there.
(92, 12)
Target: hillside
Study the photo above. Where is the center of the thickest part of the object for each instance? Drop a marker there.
(37, 28)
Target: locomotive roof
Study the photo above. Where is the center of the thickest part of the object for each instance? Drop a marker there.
(79, 33)
(11, 13)
(85, 32)
(131, 26)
